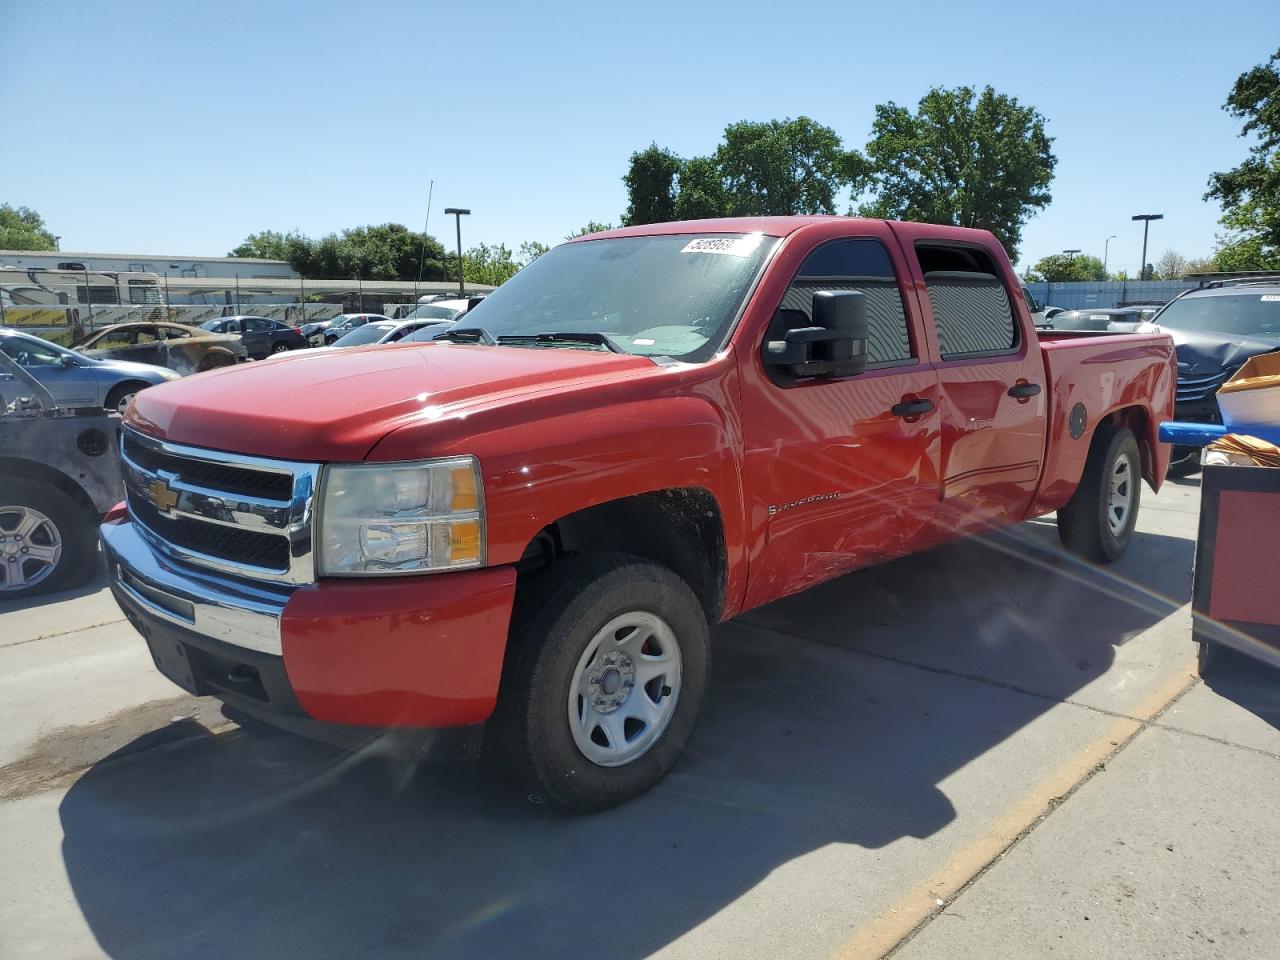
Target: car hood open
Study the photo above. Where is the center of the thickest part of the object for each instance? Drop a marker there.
(335, 405)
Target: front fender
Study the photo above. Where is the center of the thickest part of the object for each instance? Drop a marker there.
(539, 469)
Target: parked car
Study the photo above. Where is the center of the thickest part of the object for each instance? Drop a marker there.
(177, 346)
(1215, 329)
(429, 331)
(313, 331)
(1108, 320)
(59, 476)
(531, 524)
(262, 336)
(76, 380)
(345, 323)
(391, 331)
(442, 310)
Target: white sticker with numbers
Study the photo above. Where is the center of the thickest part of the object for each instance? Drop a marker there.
(729, 246)
(1270, 297)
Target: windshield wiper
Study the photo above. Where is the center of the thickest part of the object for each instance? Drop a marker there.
(599, 339)
(469, 335)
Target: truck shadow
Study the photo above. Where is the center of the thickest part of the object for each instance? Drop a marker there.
(833, 718)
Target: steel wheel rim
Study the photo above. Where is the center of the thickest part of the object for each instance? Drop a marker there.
(625, 689)
(30, 547)
(1120, 496)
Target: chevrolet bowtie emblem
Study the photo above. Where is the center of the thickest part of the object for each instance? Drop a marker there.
(162, 495)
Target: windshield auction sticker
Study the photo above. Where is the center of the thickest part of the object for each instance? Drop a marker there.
(729, 246)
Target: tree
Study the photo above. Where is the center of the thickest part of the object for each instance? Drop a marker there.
(591, 227)
(1171, 266)
(486, 264)
(963, 159)
(651, 188)
(701, 193)
(530, 251)
(1200, 265)
(1066, 268)
(783, 167)
(390, 251)
(1250, 193)
(21, 228)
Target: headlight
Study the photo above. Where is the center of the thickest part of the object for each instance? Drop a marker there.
(401, 518)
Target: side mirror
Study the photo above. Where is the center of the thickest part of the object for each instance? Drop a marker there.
(835, 346)
(68, 361)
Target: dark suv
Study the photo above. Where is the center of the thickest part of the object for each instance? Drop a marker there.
(1215, 329)
(262, 336)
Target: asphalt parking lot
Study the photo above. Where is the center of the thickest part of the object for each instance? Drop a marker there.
(985, 750)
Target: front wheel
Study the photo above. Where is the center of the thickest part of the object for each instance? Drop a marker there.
(122, 395)
(604, 682)
(1097, 522)
(46, 539)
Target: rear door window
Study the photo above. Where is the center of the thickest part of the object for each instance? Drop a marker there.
(971, 308)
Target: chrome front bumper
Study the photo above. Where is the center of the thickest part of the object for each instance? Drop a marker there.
(230, 611)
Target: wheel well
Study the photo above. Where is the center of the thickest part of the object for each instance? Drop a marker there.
(1136, 419)
(679, 528)
(30, 470)
(123, 387)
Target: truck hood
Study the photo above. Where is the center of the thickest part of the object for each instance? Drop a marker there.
(335, 405)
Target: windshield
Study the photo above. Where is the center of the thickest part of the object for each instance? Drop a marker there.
(430, 312)
(672, 296)
(1242, 314)
(210, 325)
(368, 333)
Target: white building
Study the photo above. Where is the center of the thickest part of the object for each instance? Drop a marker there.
(246, 268)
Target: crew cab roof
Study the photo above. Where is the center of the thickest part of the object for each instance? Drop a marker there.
(776, 227)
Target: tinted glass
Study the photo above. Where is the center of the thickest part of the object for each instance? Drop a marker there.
(368, 333)
(31, 352)
(672, 296)
(863, 265)
(256, 324)
(214, 325)
(1243, 314)
(429, 312)
(971, 312)
(427, 333)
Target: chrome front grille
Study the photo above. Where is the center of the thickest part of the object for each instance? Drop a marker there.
(1199, 388)
(247, 516)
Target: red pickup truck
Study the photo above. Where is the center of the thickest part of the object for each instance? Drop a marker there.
(521, 533)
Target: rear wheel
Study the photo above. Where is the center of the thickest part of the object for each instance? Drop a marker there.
(122, 395)
(46, 540)
(604, 682)
(1097, 522)
(281, 347)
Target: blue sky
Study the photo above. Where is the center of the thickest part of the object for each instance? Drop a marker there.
(178, 128)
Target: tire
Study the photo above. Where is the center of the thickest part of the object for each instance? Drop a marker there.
(1087, 525)
(1186, 462)
(119, 396)
(60, 521)
(568, 623)
(215, 359)
(280, 347)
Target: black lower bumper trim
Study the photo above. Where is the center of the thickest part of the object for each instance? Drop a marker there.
(256, 684)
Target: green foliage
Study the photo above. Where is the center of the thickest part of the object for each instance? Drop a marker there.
(701, 195)
(1171, 266)
(1061, 268)
(782, 167)
(21, 228)
(591, 227)
(651, 187)
(530, 251)
(488, 264)
(1250, 192)
(390, 251)
(966, 159)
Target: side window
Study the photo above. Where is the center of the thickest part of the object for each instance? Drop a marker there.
(971, 308)
(857, 264)
(255, 325)
(231, 326)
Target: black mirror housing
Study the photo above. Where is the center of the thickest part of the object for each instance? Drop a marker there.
(835, 346)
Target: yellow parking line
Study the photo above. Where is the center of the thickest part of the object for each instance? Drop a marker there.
(881, 934)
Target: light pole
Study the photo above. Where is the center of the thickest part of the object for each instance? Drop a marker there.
(1106, 251)
(458, 214)
(57, 242)
(1146, 219)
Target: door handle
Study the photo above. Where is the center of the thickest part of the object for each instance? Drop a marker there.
(911, 408)
(1024, 391)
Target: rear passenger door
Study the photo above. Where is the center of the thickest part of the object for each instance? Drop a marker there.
(845, 469)
(992, 384)
(256, 336)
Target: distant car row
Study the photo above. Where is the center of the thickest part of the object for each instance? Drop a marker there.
(106, 368)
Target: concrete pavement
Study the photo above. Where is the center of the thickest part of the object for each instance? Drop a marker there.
(935, 755)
